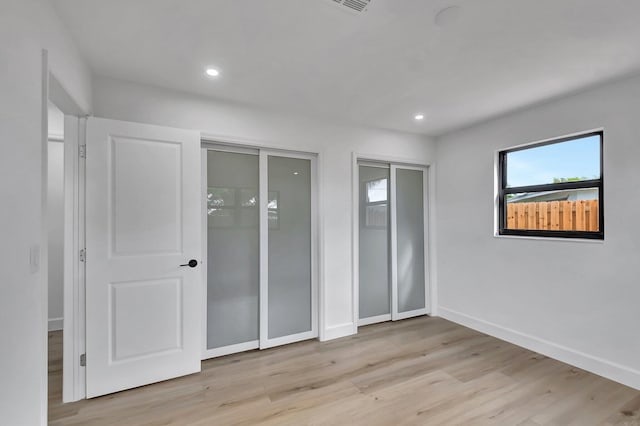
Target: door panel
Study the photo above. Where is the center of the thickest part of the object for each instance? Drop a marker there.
(289, 227)
(157, 185)
(143, 222)
(288, 312)
(409, 277)
(261, 286)
(374, 272)
(410, 240)
(233, 251)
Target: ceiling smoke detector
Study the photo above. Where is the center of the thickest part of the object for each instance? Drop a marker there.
(355, 6)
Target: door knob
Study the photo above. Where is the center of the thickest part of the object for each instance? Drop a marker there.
(192, 263)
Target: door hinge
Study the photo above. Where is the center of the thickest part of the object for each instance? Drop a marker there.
(83, 255)
(83, 360)
(83, 151)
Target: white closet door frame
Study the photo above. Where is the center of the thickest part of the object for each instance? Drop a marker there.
(239, 347)
(395, 315)
(265, 341)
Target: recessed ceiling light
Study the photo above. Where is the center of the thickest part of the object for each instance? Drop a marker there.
(296, 173)
(419, 117)
(212, 72)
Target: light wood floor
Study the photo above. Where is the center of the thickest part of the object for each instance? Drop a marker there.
(424, 371)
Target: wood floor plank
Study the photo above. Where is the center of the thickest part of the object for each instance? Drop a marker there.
(423, 371)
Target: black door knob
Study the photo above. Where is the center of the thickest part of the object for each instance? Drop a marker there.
(192, 263)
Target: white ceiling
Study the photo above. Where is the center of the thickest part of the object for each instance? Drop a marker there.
(377, 68)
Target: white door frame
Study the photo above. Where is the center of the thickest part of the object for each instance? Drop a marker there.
(73, 317)
(73, 377)
(251, 147)
(429, 235)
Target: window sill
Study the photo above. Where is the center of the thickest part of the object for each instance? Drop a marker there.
(564, 240)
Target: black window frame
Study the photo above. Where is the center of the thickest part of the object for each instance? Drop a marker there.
(503, 191)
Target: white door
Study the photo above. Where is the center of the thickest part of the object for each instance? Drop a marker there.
(288, 267)
(409, 219)
(261, 249)
(142, 223)
(393, 278)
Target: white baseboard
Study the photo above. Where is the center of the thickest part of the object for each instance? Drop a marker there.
(602, 367)
(55, 324)
(337, 331)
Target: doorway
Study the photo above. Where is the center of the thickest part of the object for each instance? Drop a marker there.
(261, 248)
(55, 249)
(392, 238)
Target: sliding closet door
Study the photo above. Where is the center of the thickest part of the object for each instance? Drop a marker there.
(233, 252)
(374, 271)
(409, 276)
(287, 300)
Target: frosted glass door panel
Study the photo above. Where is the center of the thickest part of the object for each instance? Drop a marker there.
(289, 237)
(410, 240)
(375, 289)
(233, 275)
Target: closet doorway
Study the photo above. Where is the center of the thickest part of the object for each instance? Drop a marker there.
(261, 248)
(392, 238)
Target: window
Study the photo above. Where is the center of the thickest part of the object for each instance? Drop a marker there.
(376, 203)
(553, 188)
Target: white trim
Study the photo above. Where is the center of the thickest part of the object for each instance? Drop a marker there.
(56, 324)
(263, 198)
(355, 239)
(314, 245)
(431, 245)
(321, 305)
(602, 367)
(73, 375)
(43, 261)
(204, 262)
(374, 320)
(231, 349)
(340, 330)
(425, 242)
(394, 242)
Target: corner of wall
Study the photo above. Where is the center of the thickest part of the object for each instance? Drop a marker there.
(599, 366)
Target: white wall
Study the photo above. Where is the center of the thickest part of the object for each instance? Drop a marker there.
(335, 143)
(26, 27)
(576, 301)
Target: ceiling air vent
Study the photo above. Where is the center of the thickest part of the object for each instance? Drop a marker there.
(356, 6)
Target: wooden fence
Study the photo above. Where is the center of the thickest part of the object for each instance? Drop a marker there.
(554, 215)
